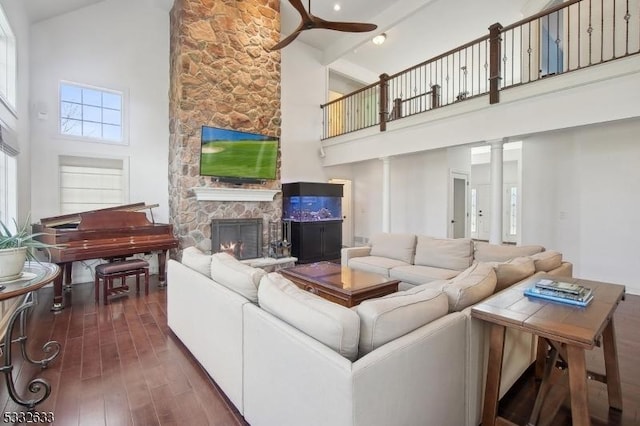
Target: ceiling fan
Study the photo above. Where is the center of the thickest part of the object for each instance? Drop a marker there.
(309, 22)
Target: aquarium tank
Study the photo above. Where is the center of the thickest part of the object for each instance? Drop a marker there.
(311, 208)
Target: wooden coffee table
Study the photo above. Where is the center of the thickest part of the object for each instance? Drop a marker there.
(566, 329)
(339, 284)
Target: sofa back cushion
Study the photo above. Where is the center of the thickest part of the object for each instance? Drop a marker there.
(395, 246)
(193, 258)
(447, 253)
(332, 324)
(387, 318)
(547, 260)
(471, 286)
(228, 271)
(485, 252)
(512, 271)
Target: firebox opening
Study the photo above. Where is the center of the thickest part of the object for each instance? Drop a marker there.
(241, 238)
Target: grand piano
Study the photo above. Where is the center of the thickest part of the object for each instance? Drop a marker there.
(114, 232)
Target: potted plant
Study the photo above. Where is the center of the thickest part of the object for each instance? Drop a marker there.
(16, 247)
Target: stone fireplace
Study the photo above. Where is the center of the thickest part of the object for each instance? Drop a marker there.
(222, 74)
(241, 238)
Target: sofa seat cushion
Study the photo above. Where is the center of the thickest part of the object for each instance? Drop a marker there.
(228, 271)
(376, 264)
(387, 318)
(547, 260)
(485, 252)
(417, 274)
(334, 325)
(193, 258)
(471, 286)
(447, 253)
(394, 246)
(512, 271)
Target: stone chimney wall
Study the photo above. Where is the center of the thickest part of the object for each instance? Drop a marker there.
(222, 75)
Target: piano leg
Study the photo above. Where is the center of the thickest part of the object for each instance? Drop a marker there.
(58, 305)
(162, 260)
(65, 275)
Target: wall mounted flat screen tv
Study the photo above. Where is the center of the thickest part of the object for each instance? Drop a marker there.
(233, 154)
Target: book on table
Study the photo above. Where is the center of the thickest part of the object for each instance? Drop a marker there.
(559, 291)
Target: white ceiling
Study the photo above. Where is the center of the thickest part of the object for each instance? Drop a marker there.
(416, 29)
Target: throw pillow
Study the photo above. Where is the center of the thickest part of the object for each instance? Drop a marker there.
(485, 252)
(547, 260)
(395, 246)
(512, 271)
(197, 260)
(387, 318)
(471, 286)
(334, 325)
(447, 253)
(228, 271)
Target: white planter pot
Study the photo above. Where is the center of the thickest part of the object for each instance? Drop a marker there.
(11, 262)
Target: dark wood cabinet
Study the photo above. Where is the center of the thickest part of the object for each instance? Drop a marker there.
(314, 210)
(316, 241)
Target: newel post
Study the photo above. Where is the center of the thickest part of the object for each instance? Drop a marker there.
(435, 96)
(495, 47)
(384, 96)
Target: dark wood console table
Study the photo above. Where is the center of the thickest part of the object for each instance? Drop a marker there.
(34, 276)
(566, 330)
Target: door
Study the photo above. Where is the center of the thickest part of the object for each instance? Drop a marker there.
(458, 205)
(481, 212)
(347, 209)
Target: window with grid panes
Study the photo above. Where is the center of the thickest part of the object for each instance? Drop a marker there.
(91, 113)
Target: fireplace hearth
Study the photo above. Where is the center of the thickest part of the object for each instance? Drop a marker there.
(241, 238)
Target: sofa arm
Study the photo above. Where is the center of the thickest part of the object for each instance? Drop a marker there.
(564, 270)
(351, 252)
(421, 375)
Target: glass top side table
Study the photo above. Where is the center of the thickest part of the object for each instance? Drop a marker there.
(34, 276)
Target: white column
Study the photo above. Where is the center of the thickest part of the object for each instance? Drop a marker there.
(495, 235)
(386, 196)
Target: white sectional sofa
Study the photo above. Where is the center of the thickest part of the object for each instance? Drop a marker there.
(286, 357)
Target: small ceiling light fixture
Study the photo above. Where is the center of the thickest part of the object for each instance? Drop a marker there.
(379, 39)
(337, 7)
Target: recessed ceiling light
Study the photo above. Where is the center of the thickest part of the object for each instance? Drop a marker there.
(337, 7)
(379, 39)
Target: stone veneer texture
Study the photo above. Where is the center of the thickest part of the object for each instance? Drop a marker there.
(222, 75)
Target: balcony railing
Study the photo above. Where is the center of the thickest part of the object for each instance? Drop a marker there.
(573, 35)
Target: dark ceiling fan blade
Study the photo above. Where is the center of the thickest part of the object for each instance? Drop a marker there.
(285, 41)
(297, 4)
(352, 27)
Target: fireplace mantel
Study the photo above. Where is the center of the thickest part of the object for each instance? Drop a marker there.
(234, 194)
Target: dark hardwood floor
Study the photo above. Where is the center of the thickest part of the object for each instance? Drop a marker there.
(120, 364)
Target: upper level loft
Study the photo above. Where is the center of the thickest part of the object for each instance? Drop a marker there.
(573, 64)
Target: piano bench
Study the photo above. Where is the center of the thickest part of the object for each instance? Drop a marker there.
(122, 269)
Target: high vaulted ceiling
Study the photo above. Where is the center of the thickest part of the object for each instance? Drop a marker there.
(416, 29)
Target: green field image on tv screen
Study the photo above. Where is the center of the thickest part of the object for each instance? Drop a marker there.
(241, 158)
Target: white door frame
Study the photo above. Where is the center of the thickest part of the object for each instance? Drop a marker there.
(347, 211)
(458, 174)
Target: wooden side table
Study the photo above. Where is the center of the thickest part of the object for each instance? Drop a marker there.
(568, 330)
(34, 276)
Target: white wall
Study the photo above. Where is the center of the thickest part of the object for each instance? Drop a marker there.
(303, 90)
(19, 122)
(580, 196)
(116, 45)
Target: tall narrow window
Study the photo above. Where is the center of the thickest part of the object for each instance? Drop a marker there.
(513, 210)
(91, 113)
(8, 60)
(91, 183)
(474, 210)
